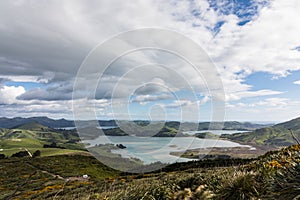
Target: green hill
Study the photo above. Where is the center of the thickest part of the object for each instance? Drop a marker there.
(34, 136)
(17, 121)
(165, 131)
(37, 131)
(34, 126)
(292, 124)
(206, 135)
(277, 135)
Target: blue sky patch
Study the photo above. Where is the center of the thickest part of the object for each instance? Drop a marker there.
(263, 80)
(218, 26)
(245, 10)
(26, 85)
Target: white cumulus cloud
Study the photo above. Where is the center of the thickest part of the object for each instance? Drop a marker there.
(9, 94)
(297, 82)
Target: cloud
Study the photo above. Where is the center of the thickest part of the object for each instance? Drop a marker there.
(263, 45)
(147, 98)
(50, 46)
(268, 102)
(39, 40)
(269, 109)
(54, 109)
(246, 94)
(178, 104)
(41, 94)
(46, 43)
(34, 79)
(297, 82)
(58, 91)
(9, 94)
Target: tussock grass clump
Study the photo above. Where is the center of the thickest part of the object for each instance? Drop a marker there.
(285, 185)
(240, 186)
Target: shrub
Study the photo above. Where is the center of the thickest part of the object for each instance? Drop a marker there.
(2, 156)
(286, 184)
(37, 153)
(192, 182)
(243, 186)
(53, 145)
(20, 154)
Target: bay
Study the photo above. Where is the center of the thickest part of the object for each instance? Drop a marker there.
(154, 149)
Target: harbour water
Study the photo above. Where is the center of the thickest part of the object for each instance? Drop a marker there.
(153, 149)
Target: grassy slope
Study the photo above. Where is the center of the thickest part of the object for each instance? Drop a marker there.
(33, 136)
(27, 178)
(277, 135)
(207, 135)
(35, 178)
(251, 181)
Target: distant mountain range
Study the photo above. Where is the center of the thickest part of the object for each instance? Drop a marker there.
(18, 121)
(60, 123)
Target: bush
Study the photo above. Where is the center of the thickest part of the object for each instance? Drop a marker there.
(243, 186)
(37, 153)
(53, 145)
(192, 182)
(20, 154)
(286, 184)
(2, 156)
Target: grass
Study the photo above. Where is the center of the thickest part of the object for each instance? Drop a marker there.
(240, 186)
(20, 142)
(268, 177)
(272, 136)
(74, 165)
(44, 151)
(15, 140)
(22, 178)
(55, 175)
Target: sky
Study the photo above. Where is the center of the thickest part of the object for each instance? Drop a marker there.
(254, 45)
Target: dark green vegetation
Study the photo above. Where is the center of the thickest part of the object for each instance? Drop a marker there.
(277, 135)
(274, 175)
